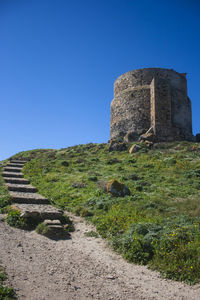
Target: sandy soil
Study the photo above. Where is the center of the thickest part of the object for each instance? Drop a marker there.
(79, 268)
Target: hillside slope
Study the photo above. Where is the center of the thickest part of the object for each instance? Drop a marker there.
(158, 224)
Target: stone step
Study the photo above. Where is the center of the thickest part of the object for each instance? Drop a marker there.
(12, 174)
(18, 161)
(29, 198)
(12, 169)
(39, 212)
(16, 180)
(55, 229)
(18, 165)
(52, 222)
(21, 187)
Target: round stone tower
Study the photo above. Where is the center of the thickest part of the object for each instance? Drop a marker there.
(151, 98)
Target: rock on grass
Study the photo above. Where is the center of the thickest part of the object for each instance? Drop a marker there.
(117, 189)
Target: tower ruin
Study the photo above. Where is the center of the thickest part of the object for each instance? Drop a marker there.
(151, 98)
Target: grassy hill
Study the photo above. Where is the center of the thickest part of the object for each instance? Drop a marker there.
(158, 224)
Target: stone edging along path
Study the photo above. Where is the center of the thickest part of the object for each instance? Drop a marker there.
(25, 198)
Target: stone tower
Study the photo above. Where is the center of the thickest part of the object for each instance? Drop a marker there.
(151, 98)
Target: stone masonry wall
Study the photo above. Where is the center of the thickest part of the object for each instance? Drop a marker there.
(161, 112)
(130, 111)
(151, 98)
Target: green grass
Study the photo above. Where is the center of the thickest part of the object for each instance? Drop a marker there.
(157, 225)
(15, 219)
(91, 234)
(4, 195)
(6, 293)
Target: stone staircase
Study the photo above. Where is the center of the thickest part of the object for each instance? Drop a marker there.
(24, 196)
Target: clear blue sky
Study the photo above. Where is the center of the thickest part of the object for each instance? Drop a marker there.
(60, 58)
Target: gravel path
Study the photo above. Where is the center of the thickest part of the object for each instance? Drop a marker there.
(79, 268)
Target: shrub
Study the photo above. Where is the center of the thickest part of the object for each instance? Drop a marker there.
(83, 212)
(134, 248)
(6, 293)
(6, 209)
(136, 244)
(42, 229)
(91, 234)
(101, 202)
(4, 195)
(171, 247)
(14, 219)
(177, 254)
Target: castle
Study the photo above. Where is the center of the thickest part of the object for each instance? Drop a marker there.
(151, 99)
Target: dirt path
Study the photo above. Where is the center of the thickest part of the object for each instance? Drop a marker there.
(79, 268)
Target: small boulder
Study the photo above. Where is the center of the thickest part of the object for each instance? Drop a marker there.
(149, 144)
(135, 148)
(117, 146)
(117, 189)
(131, 136)
(150, 137)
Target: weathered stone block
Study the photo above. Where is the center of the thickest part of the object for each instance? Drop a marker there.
(116, 146)
(131, 136)
(117, 189)
(135, 148)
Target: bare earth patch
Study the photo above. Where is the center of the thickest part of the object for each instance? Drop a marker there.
(79, 268)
